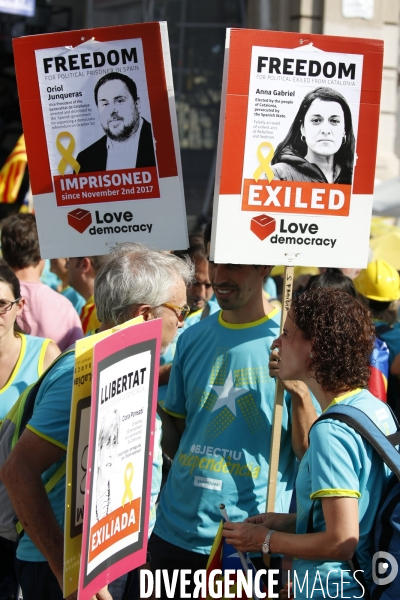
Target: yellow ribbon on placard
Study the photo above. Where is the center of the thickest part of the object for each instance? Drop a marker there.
(66, 153)
(128, 476)
(265, 162)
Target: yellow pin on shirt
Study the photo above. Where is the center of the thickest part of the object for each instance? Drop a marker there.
(264, 162)
(66, 153)
(128, 476)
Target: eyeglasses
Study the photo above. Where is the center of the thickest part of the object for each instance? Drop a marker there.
(180, 311)
(6, 305)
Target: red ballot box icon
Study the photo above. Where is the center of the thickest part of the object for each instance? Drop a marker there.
(79, 219)
(262, 226)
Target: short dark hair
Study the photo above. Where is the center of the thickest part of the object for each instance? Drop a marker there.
(130, 84)
(333, 278)
(95, 261)
(342, 336)
(195, 250)
(20, 241)
(9, 278)
(377, 307)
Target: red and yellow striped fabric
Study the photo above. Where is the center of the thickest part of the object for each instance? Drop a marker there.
(12, 173)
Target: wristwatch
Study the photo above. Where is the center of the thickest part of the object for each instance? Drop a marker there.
(265, 546)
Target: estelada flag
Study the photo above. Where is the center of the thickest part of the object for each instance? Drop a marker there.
(12, 173)
(223, 556)
(379, 367)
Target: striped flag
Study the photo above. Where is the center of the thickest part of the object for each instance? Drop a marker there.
(379, 368)
(223, 556)
(12, 173)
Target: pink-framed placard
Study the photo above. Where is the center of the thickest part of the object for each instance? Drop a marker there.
(120, 453)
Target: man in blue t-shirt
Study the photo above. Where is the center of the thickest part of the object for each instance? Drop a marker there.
(128, 278)
(199, 301)
(220, 399)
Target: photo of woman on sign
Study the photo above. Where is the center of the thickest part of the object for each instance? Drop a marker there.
(320, 144)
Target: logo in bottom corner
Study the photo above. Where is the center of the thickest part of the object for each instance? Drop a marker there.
(384, 568)
(262, 226)
(79, 219)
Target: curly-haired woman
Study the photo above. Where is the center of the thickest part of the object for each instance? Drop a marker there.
(327, 342)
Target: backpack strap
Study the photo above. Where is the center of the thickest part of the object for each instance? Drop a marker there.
(22, 416)
(382, 444)
(358, 420)
(23, 420)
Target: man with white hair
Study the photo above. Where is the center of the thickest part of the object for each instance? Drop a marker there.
(133, 281)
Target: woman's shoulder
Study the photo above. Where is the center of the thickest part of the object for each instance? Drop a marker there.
(375, 409)
(296, 169)
(285, 172)
(34, 341)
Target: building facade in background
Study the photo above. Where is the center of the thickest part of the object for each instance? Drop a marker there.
(197, 40)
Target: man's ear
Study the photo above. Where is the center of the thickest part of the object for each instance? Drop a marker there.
(85, 264)
(265, 270)
(143, 310)
(137, 104)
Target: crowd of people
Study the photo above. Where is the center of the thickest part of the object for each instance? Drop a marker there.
(222, 352)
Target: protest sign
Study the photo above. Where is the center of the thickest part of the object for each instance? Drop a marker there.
(78, 441)
(101, 135)
(297, 149)
(118, 479)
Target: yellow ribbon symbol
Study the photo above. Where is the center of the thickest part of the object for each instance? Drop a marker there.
(128, 476)
(265, 162)
(66, 153)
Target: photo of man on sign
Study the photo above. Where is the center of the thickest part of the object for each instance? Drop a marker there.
(128, 139)
(319, 146)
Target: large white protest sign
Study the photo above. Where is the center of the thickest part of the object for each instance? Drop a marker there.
(119, 476)
(102, 140)
(298, 181)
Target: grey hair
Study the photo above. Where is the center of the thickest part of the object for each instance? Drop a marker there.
(134, 274)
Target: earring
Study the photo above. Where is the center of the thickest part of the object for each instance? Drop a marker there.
(311, 355)
(344, 139)
(303, 139)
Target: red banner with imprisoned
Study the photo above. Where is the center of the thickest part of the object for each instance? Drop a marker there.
(107, 186)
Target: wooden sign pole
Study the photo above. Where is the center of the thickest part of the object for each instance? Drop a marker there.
(278, 407)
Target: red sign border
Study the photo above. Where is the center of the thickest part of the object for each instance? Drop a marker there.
(240, 48)
(31, 107)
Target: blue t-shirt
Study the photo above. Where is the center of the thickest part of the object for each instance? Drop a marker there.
(340, 463)
(220, 384)
(27, 370)
(48, 277)
(168, 357)
(74, 297)
(156, 473)
(392, 339)
(50, 420)
(270, 288)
